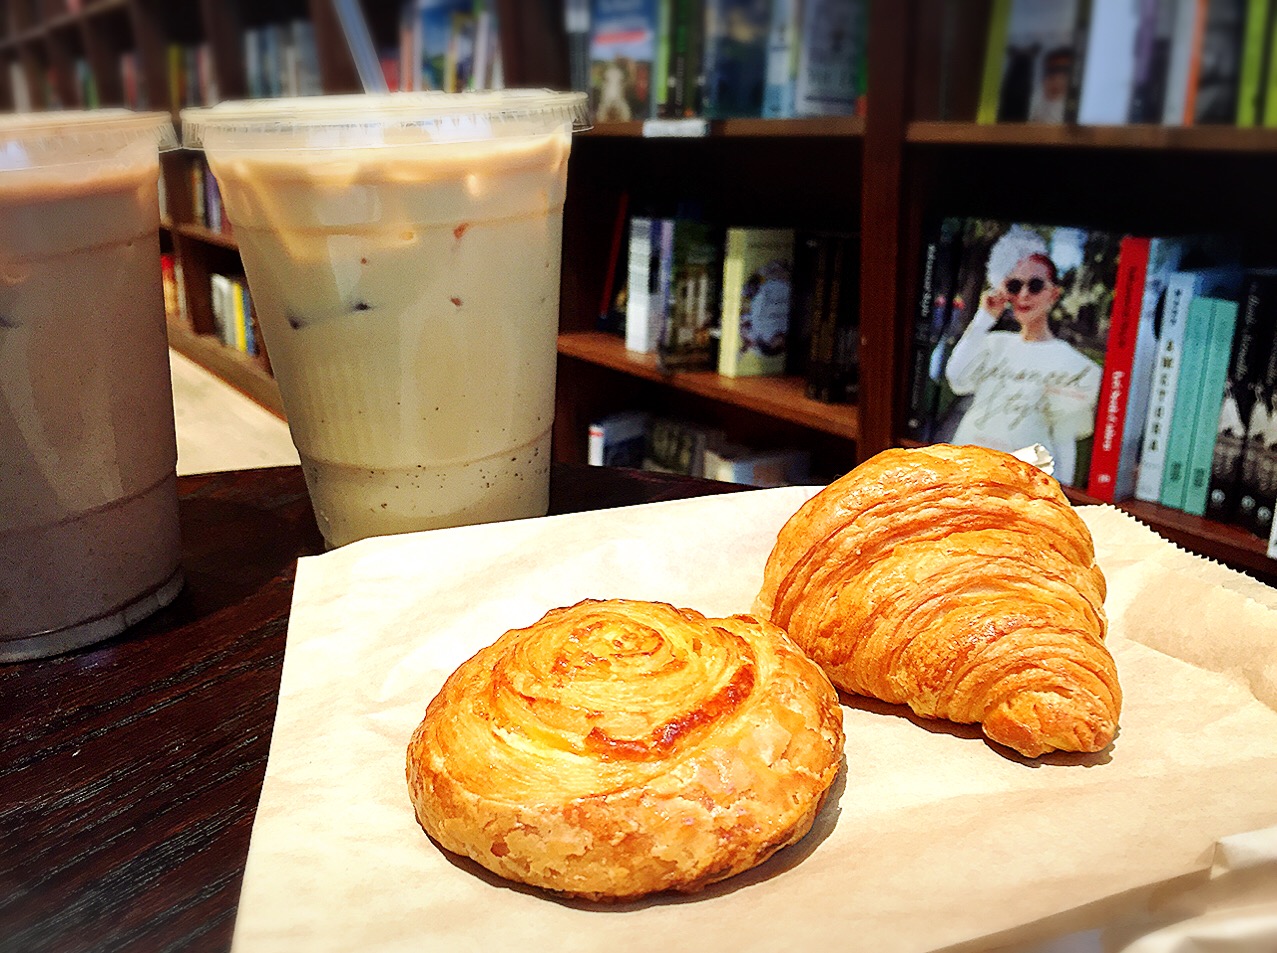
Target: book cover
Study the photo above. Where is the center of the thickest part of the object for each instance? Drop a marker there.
(677, 446)
(1254, 63)
(694, 297)
(1259, 458)
(1251, 343)
(1033, 62)
(1119, 365)
(1185, 61)
(622, 51)
(734, 57)
(1223, 330)
(1192, 373)
(940, 267)
(783, 38)
(638, 307)
(1021, 362)
(758, 268)
(1181, 288)
(1152, 60)
(1108, 74)
(434, 29)
(830, 57)
(618, 440)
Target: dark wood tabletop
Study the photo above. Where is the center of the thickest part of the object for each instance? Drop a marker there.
(130, 771)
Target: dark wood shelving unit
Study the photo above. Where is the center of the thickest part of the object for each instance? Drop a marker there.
(880, 175)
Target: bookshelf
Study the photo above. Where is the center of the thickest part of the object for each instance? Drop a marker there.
(918, 150)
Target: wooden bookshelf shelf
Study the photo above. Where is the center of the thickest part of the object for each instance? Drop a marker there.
(200, 233)
(816, 126)
(779, 397)
(1037, 135)
(243, 373)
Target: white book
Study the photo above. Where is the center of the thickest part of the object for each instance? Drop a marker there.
(638, 307)
(1186, 38)
(1108, 76)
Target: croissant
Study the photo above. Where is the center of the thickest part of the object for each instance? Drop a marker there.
(618, 748)
(960, 582)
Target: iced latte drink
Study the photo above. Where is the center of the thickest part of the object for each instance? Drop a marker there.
(88, 499)
(402, 253)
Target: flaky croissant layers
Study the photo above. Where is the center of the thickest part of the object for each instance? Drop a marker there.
(958, 581)
(618, 748)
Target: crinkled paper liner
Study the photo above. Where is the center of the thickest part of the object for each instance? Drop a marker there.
(932, 839)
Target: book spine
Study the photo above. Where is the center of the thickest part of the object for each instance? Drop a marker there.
(1259, 459)
(238, 317)
(1082, 60)
(1214, 376)
(995, 52)
(1268, 111)
(638, 308)
(733, 287)
(918, 413)
(782, 60)
(1161, 406)
(661, 59)
(1119, 361)
(1183, 427)
(821, 356)
(595, 442)
(1195, 63)
(1251, 81)
(1185, 37)
(662, 285)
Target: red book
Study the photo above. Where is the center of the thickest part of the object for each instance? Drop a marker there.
(1128, 300)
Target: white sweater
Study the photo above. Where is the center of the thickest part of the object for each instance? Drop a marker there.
(1025, 392)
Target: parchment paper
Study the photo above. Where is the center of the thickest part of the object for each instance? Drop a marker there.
(933, 838)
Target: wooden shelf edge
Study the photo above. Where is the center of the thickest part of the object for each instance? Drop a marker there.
(207, 235)
(241, 372)
(750, 128)
(1166, 138)
(778, 397)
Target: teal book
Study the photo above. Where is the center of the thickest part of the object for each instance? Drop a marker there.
(1214, 376)
(1192, 371)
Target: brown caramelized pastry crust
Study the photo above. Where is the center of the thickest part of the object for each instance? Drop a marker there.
(960, 582)
(618, 748)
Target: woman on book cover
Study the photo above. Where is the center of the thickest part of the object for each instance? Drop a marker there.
(1028, 386)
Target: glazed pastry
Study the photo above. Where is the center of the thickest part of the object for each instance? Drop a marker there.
(618, 748)
(960, 582)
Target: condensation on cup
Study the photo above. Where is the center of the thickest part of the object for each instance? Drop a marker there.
(402, 253)
(89, 540)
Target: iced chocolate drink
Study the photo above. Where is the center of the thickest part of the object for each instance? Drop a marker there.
(88, 501)
(405, 272)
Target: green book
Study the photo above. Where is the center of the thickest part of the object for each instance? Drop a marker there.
(1192, 370)
(1250, 85)
(991, 86)
(661, 66)
(1215, 375)
(1269, 82)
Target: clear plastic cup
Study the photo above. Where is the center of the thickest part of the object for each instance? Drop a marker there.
(402, 253)
(89, 540)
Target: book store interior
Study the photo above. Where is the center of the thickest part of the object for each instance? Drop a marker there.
(892, 377)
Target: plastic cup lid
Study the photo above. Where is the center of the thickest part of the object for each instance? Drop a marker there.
(377, 119)
(33, 140)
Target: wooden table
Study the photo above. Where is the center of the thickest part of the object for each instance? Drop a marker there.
(130, 771)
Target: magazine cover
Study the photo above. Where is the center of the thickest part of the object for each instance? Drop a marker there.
(622, 49)
(1021, 358)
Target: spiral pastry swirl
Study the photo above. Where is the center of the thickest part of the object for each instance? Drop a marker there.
(958, 581)
(618, 748)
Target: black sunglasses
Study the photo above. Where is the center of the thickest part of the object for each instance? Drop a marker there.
(1035, 286)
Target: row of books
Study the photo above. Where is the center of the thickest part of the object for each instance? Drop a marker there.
(642, 440)
(206, 199)
(449, 45)
(192, 79)
(745, 301)
(641, 59)
(233, 317)
(1147, 366)
(282, 59)
(1112, 62)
